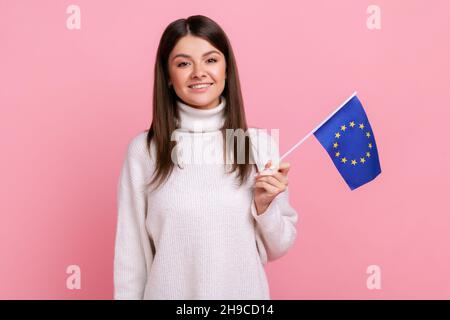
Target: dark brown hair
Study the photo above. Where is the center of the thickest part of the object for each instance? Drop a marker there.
(164, 97)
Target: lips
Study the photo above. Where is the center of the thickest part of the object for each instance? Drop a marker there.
(203, 83)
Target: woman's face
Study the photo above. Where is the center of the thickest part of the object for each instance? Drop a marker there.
(194, 60)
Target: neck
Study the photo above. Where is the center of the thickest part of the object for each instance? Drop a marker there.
(200, 120)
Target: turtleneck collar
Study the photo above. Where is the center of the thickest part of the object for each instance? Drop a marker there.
(200, 120)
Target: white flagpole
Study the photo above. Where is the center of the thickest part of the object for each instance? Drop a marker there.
(312, 131)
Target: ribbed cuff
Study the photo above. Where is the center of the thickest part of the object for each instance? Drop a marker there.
(269, 219)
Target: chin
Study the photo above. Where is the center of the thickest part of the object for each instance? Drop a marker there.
(201, 99)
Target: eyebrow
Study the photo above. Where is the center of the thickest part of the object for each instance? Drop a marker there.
(188, 56)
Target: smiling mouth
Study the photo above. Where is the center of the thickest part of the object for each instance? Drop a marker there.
(200, 86)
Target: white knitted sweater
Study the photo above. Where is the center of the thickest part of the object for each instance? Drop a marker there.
(198, 236)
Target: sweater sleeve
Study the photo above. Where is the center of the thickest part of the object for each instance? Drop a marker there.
(133, 253)
(275, 228)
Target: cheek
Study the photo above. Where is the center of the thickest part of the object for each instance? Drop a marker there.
(178, 76)
(218, 73)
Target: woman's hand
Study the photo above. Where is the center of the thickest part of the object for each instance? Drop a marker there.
(267, 187)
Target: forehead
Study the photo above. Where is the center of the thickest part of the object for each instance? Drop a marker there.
(192, 46)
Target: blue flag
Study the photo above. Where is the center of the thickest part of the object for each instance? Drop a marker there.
(350, 142)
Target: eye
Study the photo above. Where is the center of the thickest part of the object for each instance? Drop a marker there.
(181, 63)
(178, 65)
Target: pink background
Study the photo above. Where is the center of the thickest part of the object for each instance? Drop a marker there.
(71, 100)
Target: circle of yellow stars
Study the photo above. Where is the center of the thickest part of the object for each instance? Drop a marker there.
(336, 145)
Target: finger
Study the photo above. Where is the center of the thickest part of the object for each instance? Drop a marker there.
(284, 167)
(266, 186)
(282, 178)
(277, 175)
(265, 172)
(273, 181)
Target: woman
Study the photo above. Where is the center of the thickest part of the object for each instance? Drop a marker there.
(190, 229)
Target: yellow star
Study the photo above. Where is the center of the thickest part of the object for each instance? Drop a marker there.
(338, 154)
(337, 135)
(368, 154)
(335, 145)
(354, 162)
(352, 124)
(363, 160)
(370, 145)
(361, 126)
(343, 127)
(344, 160)
(368, 134)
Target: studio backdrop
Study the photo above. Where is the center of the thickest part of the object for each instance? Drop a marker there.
(76, 80)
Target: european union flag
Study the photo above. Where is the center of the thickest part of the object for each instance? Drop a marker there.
(350, 142)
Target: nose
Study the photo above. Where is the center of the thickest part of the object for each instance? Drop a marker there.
(198, 72)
